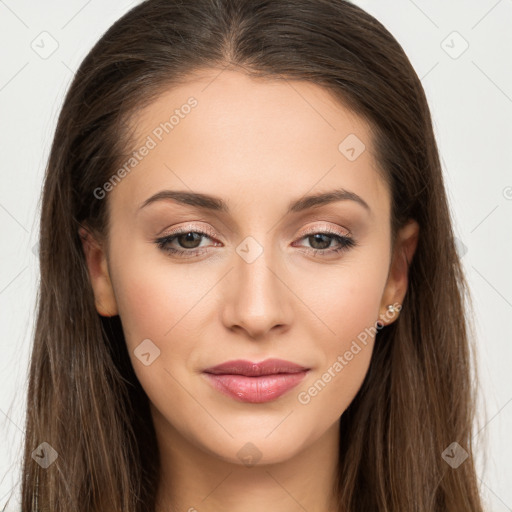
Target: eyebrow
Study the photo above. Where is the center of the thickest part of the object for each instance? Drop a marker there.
(217, 204)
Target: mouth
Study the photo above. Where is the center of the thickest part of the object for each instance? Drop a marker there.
(246, 381)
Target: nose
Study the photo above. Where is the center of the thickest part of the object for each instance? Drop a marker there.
(256, 299)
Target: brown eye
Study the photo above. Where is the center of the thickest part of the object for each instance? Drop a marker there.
(189, 240)
(317, 242)
(320, 242)
(186, 243)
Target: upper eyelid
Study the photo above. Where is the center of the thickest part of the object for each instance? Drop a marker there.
(329, 229)
(211, 233)
(189, 229)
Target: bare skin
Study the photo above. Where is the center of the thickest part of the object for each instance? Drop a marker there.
(258, 145)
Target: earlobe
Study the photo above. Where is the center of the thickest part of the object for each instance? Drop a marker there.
(398, 279)
(96, 260)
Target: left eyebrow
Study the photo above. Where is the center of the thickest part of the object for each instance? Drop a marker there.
(322, 198)
(217, 204)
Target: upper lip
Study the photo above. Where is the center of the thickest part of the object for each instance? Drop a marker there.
(250, 369)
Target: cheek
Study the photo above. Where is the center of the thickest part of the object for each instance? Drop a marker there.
(350, 308)
(144, 307)
(346, 301)
(153, 306)
(346, 354)
(152, 296)
(150, 304)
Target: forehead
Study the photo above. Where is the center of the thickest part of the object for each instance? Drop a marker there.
(250, 139)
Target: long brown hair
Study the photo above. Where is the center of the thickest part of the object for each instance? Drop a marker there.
(84, 399)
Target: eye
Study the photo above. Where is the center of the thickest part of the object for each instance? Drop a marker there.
(320, 242)
(189, 242)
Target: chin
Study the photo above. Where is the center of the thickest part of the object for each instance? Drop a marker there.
(256, 450)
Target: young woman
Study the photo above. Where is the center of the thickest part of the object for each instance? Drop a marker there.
(250, 294)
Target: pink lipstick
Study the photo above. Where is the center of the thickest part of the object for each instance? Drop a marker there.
(246, 381)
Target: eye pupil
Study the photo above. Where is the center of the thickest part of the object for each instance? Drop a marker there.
(190, 237)
(325, 244)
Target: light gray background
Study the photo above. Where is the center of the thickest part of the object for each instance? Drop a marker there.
(470, 95)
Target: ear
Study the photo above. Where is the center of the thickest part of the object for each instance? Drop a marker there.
(396, 285)
(96, 260)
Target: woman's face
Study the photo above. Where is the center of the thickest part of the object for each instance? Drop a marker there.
(257, 283)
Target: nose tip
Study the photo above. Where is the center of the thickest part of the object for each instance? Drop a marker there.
(257, 327)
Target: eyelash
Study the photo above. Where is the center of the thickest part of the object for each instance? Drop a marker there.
(345, 242)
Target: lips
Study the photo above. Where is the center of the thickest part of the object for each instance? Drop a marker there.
(255, 382)
(250, 369)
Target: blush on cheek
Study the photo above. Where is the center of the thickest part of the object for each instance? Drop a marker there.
(348, 315)
(145, 312)
(348, 353)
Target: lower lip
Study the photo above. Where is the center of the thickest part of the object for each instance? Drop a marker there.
(255, 389)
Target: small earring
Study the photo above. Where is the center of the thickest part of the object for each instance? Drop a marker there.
(392, 309)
